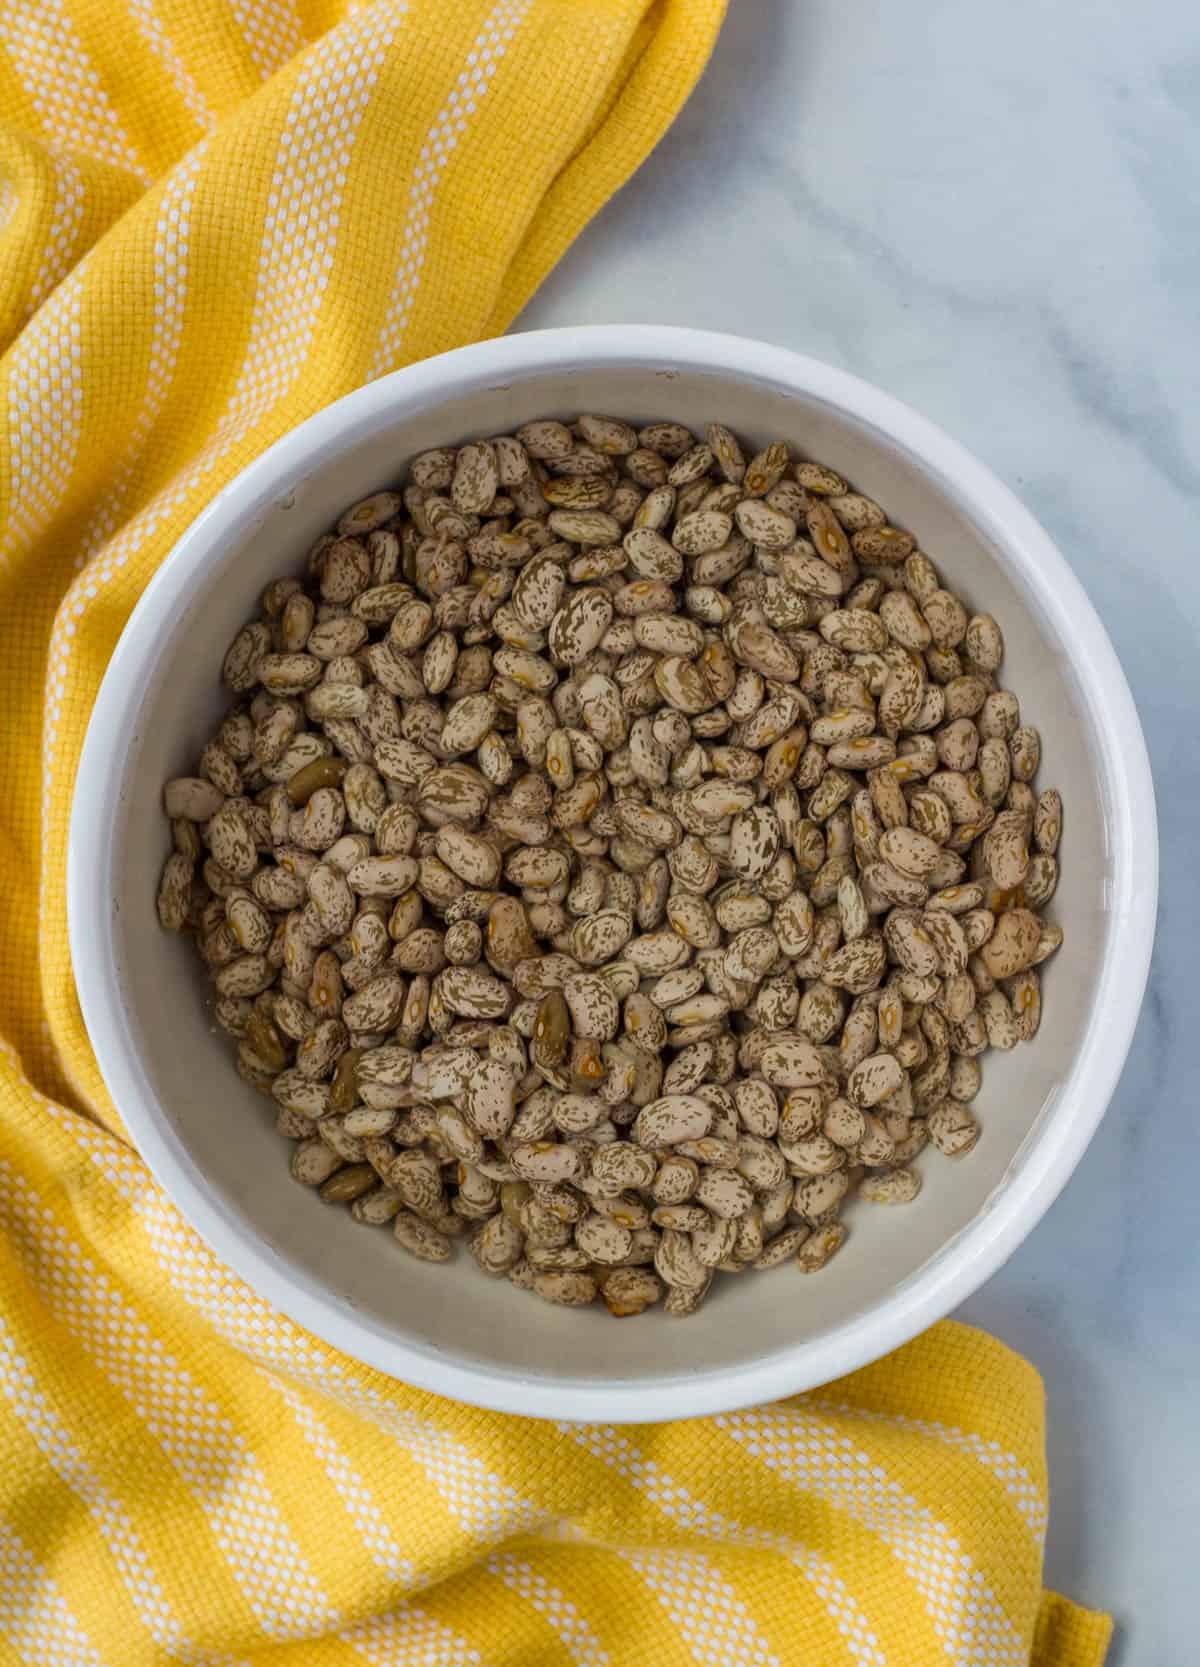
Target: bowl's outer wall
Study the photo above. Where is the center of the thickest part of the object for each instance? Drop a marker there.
(211, 1139)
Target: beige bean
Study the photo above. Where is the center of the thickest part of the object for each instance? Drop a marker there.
(874, 1079)
(820, 1246)
(671, 1119)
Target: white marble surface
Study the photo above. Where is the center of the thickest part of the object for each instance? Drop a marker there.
(990, 210)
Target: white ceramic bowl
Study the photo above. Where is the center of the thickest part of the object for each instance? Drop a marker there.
(209, 1138)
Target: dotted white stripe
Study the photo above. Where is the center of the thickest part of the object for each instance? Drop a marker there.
(34, 1411)
(450, 124)
(714, 1623)
(170, 289)
(172, 239)
(484, 1505)
(9, 198)
(45, 409)
(966, 1616)
(577, 1637)
(34, 1616)
(150, 27)
(210, 1456)
(65, 222)
(351, 1489)
(62, 85)
(1026, 1495)
(409, 1638)
(323, 118)
(694, 1516)
(272, 32)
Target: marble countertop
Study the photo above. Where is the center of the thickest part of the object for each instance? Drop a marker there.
(991, 212)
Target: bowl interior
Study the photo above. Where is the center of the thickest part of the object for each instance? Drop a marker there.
(222, 1133)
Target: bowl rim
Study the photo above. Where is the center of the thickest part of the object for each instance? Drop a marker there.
(1127, 794)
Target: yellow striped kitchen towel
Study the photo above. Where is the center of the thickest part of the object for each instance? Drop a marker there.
(215, 217)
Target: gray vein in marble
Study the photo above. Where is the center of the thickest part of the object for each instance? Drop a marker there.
(1138, 415)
